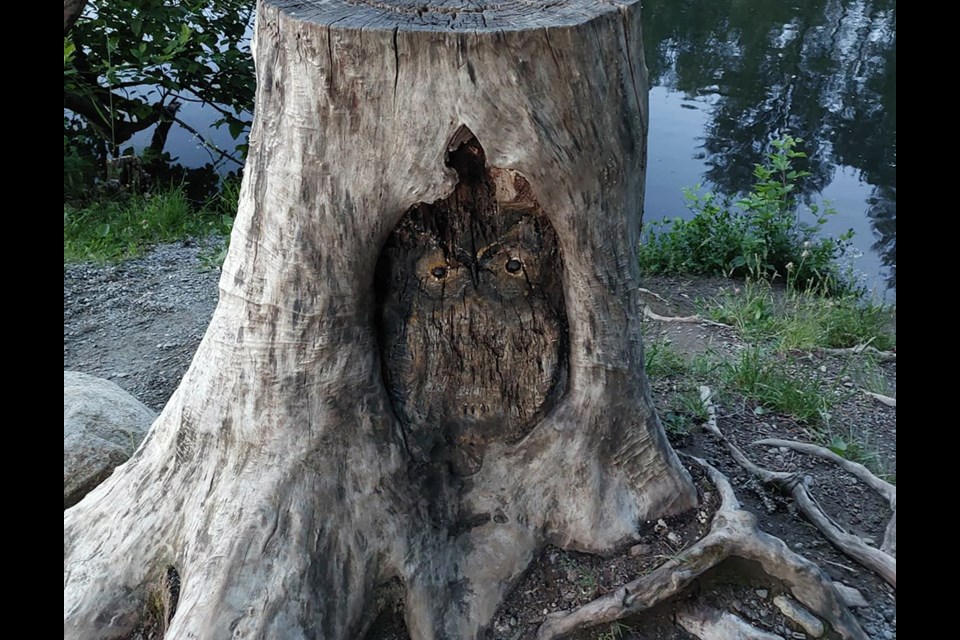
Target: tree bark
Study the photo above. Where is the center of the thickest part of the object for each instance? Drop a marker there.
(313, 451)
(71, 11)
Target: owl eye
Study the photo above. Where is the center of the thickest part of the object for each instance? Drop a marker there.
(439, 272)
(513, 265)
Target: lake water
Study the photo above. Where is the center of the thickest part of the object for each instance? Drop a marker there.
(726, 77)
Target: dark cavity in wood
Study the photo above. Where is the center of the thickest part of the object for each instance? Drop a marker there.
(471, 319)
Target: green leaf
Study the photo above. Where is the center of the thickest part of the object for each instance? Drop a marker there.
(236, 127)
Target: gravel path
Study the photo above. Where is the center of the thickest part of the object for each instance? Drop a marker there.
(139, 323)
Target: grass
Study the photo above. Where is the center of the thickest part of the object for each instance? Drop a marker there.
(614, 631)
(122, 228)
(661, 361)
(803, 320)
(777, 385)
(683, 412)
(868, 375)
(858, 448)
(585, 579)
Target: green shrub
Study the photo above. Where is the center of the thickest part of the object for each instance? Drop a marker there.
(760, 235)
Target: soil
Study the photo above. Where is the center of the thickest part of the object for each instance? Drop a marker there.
(139, 323)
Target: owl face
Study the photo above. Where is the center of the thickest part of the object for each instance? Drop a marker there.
(472, 324)
(504, 269)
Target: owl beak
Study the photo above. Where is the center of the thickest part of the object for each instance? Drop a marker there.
(475, 273)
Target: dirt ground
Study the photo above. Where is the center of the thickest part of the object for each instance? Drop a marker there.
(139, 323)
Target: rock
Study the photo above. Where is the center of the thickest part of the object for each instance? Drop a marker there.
(887, 634)
(102, 427)
(707, 624)
(762, 593)
(850, 596)
(810, 623)
(674, 537)
(640, 550)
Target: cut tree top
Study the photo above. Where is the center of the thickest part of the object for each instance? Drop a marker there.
(453, 15)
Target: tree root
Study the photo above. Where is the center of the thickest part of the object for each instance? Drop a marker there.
(885, 489)
(877, 560)
(887, 400)
(733, 532)
(654, 294)
(882, 356)
(650, 314)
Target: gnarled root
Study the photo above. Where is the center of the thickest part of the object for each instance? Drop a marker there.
(733, 532)
(882, 356)
(882, 399)
(884, 488)
(650, 314)
(877, 560)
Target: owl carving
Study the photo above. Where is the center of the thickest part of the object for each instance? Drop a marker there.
(471, 319)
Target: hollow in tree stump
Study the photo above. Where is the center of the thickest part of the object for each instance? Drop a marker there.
(426, 362)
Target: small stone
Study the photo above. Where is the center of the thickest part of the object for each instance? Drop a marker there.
(798, 635)
(661, 525)
(546, 611)
(674, 537)
(640, 550)
(850, 596)
(796, 612)
(762, 593)
(887, 634)
(569, 595)
(784, 449)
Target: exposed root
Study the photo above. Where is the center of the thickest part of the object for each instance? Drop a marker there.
(860, 472)
(711, 624)
(733, 533)
(650, 314)
(887, 400)
(885, 489)
(882, 356)
(654, 294)
(852, 546)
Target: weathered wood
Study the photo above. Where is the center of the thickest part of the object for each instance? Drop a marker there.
(72, 9)
(314, 449)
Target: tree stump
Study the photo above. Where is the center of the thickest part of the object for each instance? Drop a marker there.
(426, 360)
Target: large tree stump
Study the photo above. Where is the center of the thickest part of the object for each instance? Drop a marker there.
(426, 360)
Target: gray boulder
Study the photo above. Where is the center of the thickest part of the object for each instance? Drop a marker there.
(102, 427)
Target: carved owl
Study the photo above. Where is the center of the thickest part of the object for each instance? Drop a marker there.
(471, 321)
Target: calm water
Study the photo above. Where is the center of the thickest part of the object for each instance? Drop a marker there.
(727, 76)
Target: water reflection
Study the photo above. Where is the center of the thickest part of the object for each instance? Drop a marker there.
(823, 70)
(726, 77)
